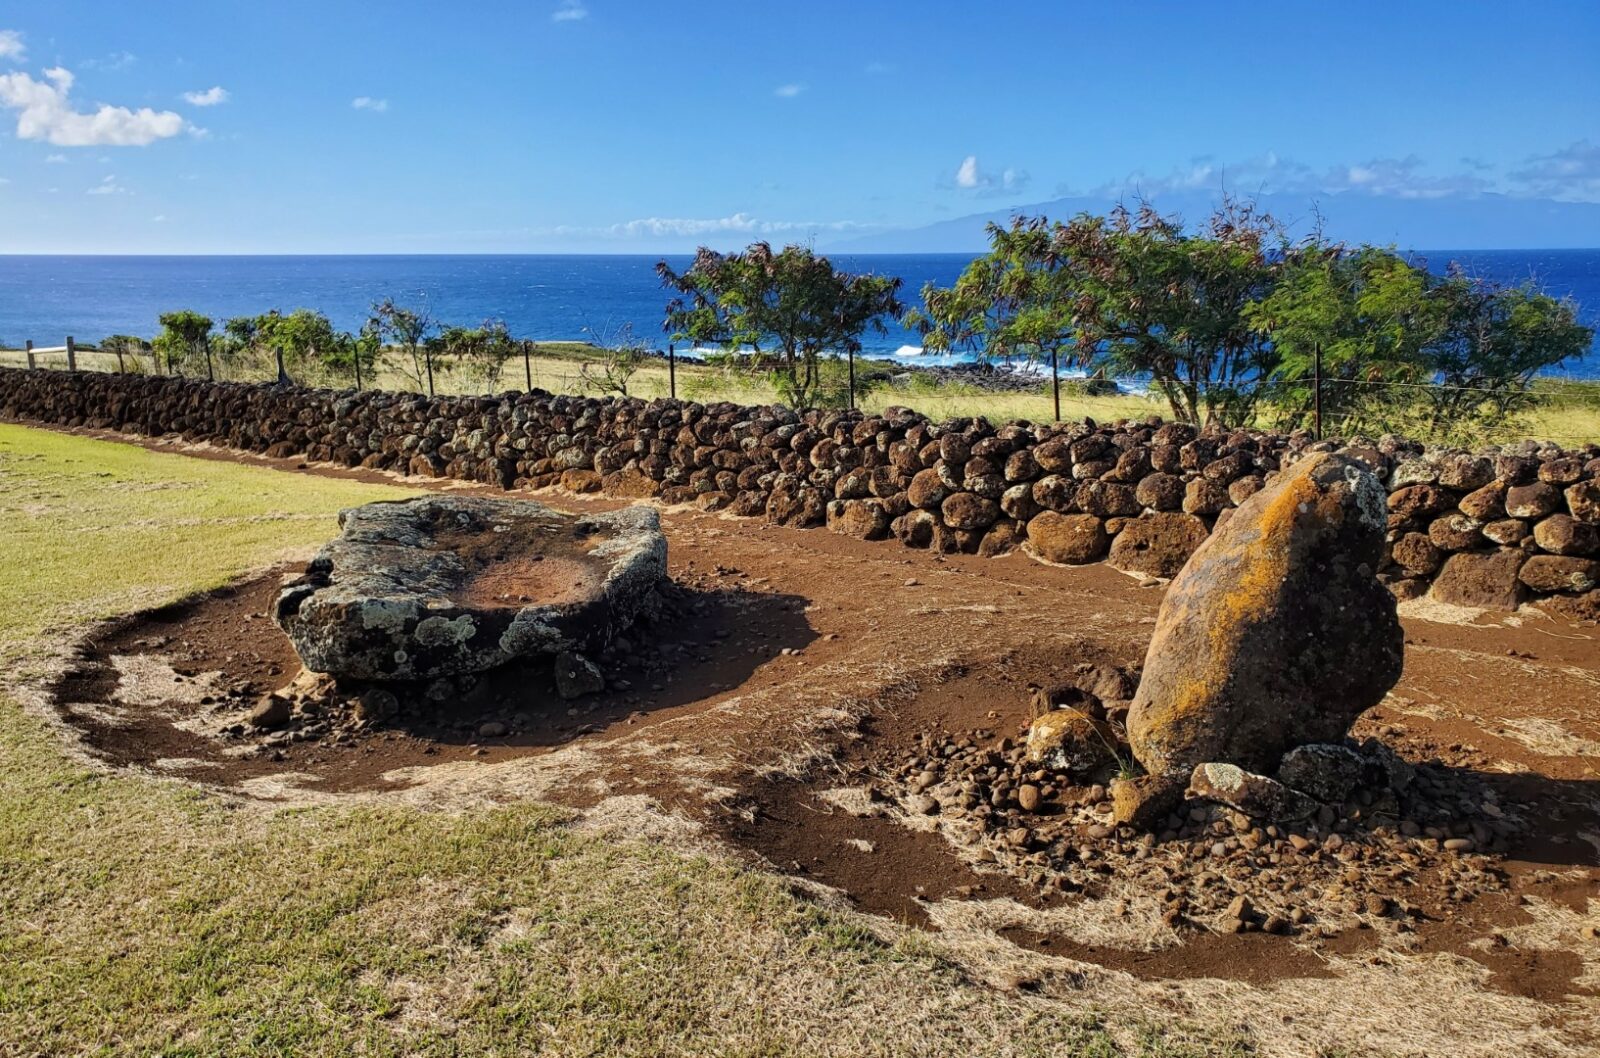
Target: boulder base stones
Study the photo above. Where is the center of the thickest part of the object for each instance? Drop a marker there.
(1070, 739)
(577, 676)
(1144, 801)
(445, 585)
(1257, 796)
(1277, 632)
(1324, 770)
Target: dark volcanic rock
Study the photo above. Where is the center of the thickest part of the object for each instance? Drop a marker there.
(1277, 632)
(1157, 544)
(444, 585)
(1482, 579)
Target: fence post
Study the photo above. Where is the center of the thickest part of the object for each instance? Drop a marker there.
(72, 354)
(28, 345)
(358, 369)
(851, 353)
(527, 364)
(1317, 391)
(427, 357)
(672, 370)
(1055, 380)
(210, 374)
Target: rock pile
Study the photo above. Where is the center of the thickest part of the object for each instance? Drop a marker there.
(1484, 529)
(1407, 846)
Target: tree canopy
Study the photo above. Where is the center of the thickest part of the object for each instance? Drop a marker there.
(1229, 321)
(791, 303)
(479, 351)
(185, 336)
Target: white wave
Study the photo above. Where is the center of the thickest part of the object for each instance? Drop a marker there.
(909, 350)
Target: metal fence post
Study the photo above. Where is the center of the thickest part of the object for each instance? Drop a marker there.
(672, 371)
(1317, 392)
(28, 345)
(527, 364)
(72, 354)
(1055, 380)
(851, 353)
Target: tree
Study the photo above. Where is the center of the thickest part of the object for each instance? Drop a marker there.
(1156, 300)
(241, 347)
(410, 329)
(306, 339)
(792, 302)
(621, 356)
(1018, 300)
(1490, 343)
(1358, 320)
(480, 351)
(123, 346)
(184, 335)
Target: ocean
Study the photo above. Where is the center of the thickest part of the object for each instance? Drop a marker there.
(545, 297)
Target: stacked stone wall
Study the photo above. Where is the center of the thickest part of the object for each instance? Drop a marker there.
(1492, 528)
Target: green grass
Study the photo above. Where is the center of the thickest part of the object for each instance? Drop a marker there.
(140, 916)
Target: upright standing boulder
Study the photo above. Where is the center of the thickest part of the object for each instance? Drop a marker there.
(1277, 632)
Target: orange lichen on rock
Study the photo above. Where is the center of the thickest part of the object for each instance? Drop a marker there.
(1276, 632)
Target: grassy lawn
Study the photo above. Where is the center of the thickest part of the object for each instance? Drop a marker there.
(140, 916)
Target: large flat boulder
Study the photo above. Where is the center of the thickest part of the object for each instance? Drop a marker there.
(1277, 632)
(446, 585)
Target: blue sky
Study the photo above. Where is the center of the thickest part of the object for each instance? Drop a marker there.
(613, 126)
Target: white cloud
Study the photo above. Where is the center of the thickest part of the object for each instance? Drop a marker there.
(970, 177)
(740, 223)
(45, 113)
(108, 186)
(967, 172)
(369, 103)
(570, 11)
(879, 68)
(56, 159)
(788, 91)
(117, 60)
(209, 98)
(159, 218)
(11, 46)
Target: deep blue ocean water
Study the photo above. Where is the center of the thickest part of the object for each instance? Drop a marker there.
(546, 297)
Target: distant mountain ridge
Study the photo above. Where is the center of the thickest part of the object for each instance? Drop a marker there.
(1481, 222)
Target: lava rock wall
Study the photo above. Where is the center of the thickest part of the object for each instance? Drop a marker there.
(1493, 528)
